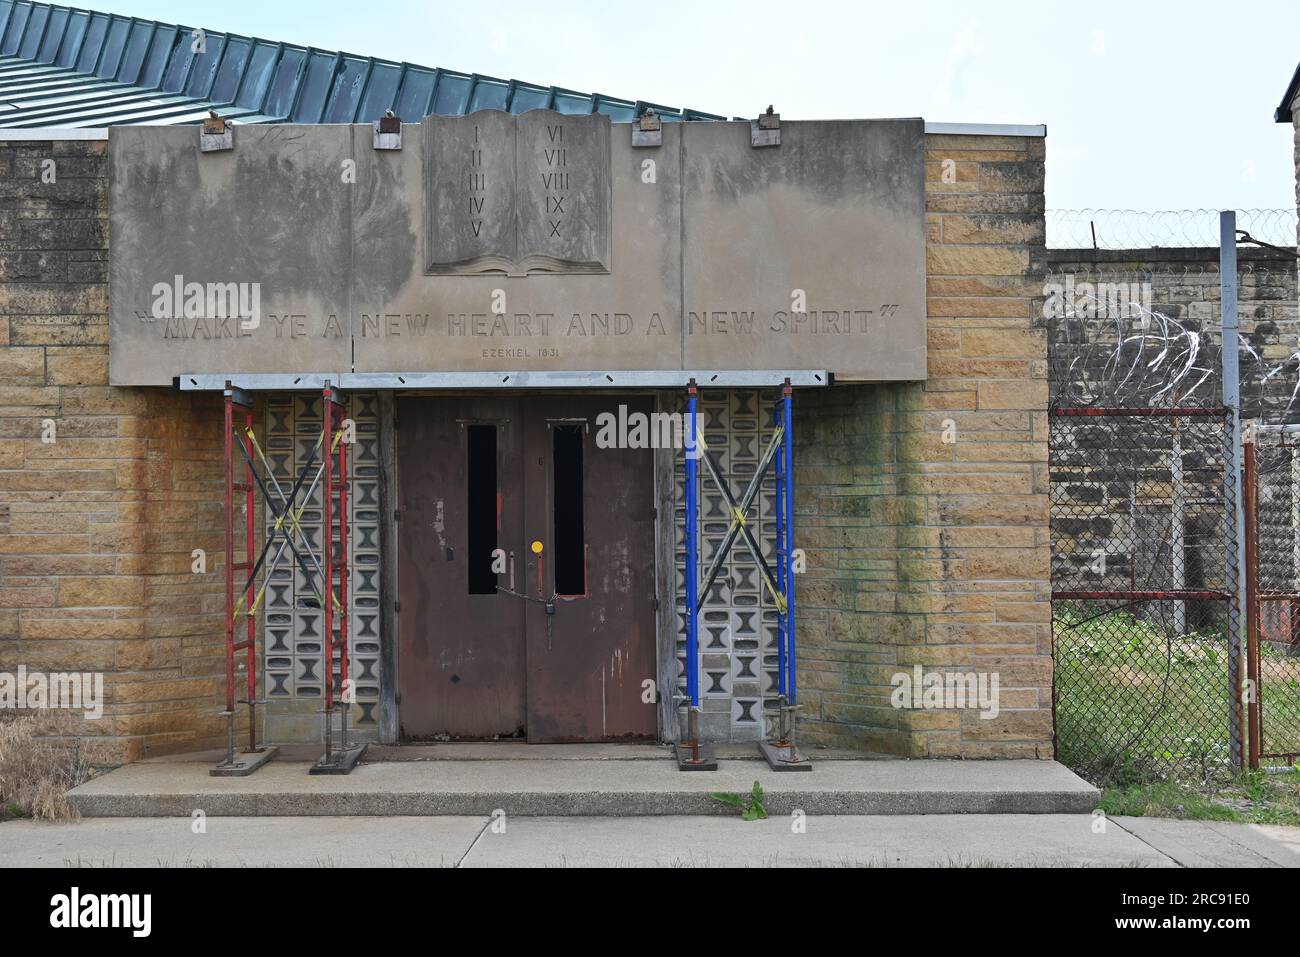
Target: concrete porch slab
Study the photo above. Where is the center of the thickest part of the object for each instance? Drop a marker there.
(600, 787)
(520, 751)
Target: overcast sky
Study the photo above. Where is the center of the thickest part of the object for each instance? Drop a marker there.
(1148, 105)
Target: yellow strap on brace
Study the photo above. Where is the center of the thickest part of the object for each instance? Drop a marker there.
(776, 595)
(257, 603)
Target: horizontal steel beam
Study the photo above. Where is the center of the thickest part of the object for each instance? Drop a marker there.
(1177, 594)
(282, 382)
(1085, 412)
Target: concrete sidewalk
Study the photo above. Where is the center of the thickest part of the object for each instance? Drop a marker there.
(579, 786)
(1041, 840)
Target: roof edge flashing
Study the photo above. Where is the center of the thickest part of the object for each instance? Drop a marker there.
(37, 134)
(1285, 112)
(947, 129)
(986, 129)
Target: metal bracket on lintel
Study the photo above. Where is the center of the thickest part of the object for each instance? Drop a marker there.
(388, 132)
(216, 134)
(648, 130)
(766, 130)
(546, 379)
(239, 396)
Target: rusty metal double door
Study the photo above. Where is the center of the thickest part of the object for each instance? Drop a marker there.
(526, 571)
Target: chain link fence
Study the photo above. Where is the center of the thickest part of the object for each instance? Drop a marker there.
(1144, 621)
(1169, 228)
(1272, 479)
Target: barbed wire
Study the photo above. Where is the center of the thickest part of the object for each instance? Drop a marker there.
(1137, 356)
(1167, 228)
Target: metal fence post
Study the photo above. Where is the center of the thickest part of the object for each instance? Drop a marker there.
(1232, 399)
(1250, 501)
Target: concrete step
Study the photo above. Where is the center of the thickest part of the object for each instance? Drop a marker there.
(581, 787)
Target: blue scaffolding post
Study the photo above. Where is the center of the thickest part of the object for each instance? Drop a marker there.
(691, 754)
(782, 754)
(781, 569)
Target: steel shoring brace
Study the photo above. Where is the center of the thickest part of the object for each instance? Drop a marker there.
(781, 549)
(290, 516)
(739, 522)
(343, 759)
(783, 754)
(278, 528)
(286, 526)
(691, 754)
(248, 761)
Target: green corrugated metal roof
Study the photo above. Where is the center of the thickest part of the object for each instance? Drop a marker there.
(66, 67)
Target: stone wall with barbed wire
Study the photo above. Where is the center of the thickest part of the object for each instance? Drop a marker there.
(1139, 329)
(1161, 345)
(1143, 522)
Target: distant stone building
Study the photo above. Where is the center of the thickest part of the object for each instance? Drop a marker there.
(1288, 111)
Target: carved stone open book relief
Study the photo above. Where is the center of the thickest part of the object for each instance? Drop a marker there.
(517, 194)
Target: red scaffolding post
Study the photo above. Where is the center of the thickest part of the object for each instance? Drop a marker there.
(239, 412)
(338, 690)
(325, 569)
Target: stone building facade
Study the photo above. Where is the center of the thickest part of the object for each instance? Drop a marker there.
(923, 507)
(98, 524)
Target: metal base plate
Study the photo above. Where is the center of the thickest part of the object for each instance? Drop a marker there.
(246, 762)
(707, 761)
(342, 761)
(784, 759)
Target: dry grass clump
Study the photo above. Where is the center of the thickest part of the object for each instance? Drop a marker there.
(37, 768)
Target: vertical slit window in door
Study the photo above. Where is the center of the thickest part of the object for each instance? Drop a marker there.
(481, 511)
(570, 535)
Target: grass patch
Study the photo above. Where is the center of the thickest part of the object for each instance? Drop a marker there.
(12, 812)
(37, 768)
(1256, 797)
(750, 806)
(1137, 701)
